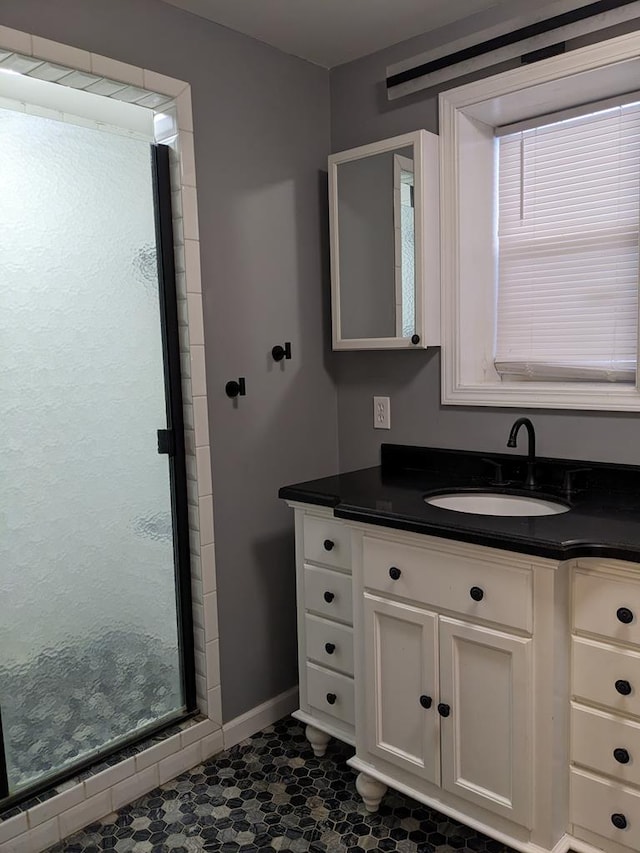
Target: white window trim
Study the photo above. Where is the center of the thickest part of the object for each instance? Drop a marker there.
(468, 116)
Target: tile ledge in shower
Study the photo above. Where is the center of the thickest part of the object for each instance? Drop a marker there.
(44, 820)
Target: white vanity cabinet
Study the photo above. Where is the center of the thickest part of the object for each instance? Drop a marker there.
(473, 744)
(499, 688)
(486, 739)
(325, 627)
(400, 683)
(448, 675)
(605, 708)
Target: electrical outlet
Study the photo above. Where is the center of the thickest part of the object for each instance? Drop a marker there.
(381, 413)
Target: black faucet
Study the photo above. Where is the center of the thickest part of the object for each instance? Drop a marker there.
(530, 482)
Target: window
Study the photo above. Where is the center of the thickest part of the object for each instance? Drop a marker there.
(568, 202)
(540, 187)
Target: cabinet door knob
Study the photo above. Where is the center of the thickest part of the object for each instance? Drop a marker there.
(415, 339)
(328, 545)
(476, 593)
(624, 615)
(394, 573)
(619, 821)
(621, 755)
(329, 648)
(623, 687)
(329, 596)
(444, 710)
(426, 701)
(331, 698)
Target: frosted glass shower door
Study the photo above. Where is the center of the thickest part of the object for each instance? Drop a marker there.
(90, 650)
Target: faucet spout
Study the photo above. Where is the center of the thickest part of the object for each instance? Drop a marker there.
(530, 482)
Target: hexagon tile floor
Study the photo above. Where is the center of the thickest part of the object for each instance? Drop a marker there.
(270, 793)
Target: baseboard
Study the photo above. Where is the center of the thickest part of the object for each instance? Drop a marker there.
(259, 717)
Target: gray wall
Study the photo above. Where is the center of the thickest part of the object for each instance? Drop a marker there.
(361, 113)
(261, 123)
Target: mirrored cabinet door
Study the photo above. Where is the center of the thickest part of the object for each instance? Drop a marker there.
(385, 244)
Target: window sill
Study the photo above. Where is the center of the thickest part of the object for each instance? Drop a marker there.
(596, 396)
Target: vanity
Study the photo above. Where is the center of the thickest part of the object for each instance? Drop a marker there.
(486, 665)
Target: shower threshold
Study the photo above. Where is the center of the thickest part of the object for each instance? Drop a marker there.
(50, 787)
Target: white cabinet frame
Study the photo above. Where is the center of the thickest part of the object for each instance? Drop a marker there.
(427, 241)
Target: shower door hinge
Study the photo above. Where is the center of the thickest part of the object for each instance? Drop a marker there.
(166, 442)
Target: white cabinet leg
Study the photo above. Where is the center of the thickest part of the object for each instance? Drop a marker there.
(371, 791)
(318, 740)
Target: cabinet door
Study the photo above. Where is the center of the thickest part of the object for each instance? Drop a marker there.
(401, 666)
(485, 680)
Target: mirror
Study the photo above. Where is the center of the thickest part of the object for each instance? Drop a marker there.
(376, 245)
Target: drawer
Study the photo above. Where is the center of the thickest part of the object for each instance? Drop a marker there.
(446, 581)
(327, 541)
(599, 670)
(331, 693)
(595, 735)
(601, 605)
(593, 803)
(329, 643)
(328, 593)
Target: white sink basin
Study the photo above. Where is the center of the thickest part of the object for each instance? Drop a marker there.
(488, 503)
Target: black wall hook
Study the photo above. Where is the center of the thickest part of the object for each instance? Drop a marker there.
(235, 389)
(279, 352)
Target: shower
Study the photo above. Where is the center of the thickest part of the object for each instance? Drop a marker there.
(96, 642)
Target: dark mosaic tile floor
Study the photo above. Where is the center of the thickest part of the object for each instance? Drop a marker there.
(270, 793)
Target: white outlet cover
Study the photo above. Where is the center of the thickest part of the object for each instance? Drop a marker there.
(381, 413)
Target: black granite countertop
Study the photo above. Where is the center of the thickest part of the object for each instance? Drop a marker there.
(604, 500)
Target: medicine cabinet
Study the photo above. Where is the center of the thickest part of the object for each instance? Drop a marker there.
(385, 254)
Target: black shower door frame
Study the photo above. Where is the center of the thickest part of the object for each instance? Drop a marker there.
(170, 442)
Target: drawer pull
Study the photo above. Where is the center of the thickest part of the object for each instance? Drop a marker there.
(394, 573)
(329, 648)
(476, 593)
(619, 821)
(444, 710)
(329, 596)
(621, 755)
(623, 687)
(624, 615)
(426, 701)
(331, 698)
(328, 545)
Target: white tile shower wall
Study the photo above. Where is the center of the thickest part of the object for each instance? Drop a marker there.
(61, 54)
(16, 41)
(45, 824)
(120, 71)
(135, 786)
(40, 838)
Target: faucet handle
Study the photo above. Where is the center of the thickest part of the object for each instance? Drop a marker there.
(497, 466)
(567, 480)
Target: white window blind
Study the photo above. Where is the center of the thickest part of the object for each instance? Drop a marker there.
(568, 217)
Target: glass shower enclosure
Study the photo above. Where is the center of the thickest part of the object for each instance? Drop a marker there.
(95, 622)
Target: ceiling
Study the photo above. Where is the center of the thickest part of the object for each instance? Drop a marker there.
(331, 32)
